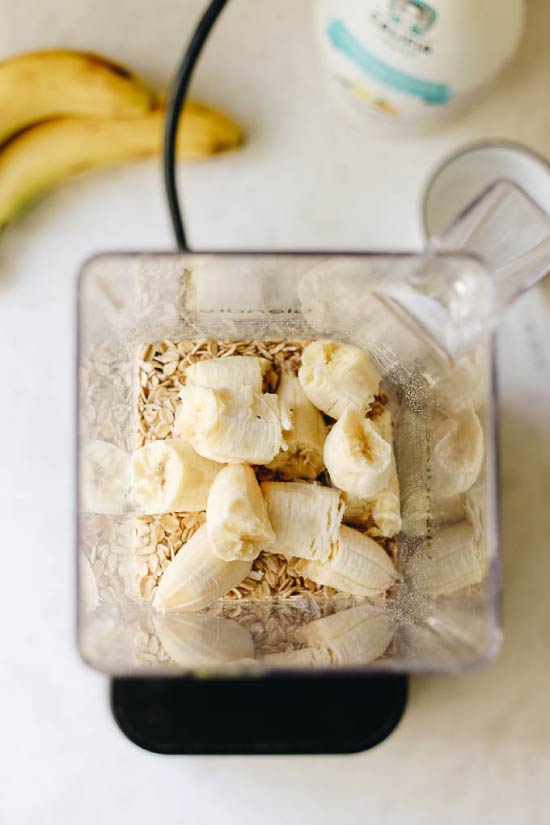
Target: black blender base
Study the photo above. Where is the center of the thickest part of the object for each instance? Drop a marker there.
(296, 715)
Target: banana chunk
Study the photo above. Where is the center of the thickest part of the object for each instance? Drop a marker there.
(196, 639)
(449, 563)
(379, 516)
(305, 517)
(386, 505)
(358, 459)
(336, 376)
(355, 636)
(232, 426)
(457, 454)
(236, 515)
(104, 478)
(383, 511)
(197, 577)
(357, 565)
(304, 456)
(168, 475)
(231, 373)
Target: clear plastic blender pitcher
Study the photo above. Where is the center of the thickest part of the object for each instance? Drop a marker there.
(427, 321)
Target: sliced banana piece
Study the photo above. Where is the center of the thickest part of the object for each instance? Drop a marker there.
(231, 373)
(336, 376)
(236, 515)
(104, 478)
(197, 577)
(386, 505)
(357, 565)
(304, 456)
(232, 426)
(305, 517)
(198, 639)
(448, 563)
(381, 514)
(357, 458)
(355, 636)
(351, 637)
(168, 475)
(457, 453)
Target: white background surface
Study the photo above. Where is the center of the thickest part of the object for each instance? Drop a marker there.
(473, 748)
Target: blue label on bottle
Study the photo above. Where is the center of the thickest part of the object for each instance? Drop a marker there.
(341, 37)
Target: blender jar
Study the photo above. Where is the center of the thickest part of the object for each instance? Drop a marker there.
(422, 319)
(427, 322)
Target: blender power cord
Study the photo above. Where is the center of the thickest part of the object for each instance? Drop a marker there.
(178, 95)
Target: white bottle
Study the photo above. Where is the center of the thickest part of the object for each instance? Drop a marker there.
(413, 63)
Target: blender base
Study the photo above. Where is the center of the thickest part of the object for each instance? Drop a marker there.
(296, 715)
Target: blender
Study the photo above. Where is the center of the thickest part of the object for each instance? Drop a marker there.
(427, 321)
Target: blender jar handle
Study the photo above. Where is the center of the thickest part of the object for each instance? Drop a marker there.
(510, 232)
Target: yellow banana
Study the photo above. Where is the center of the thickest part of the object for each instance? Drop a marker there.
(48, 153)
(43, 85)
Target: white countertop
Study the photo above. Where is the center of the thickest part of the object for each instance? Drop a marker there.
(472, 749)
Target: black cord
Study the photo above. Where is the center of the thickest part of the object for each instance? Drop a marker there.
(175, 105)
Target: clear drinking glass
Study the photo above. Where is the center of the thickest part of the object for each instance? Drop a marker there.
(427, 322)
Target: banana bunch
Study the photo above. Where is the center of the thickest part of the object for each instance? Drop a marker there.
(355, 636)
(67, 112)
